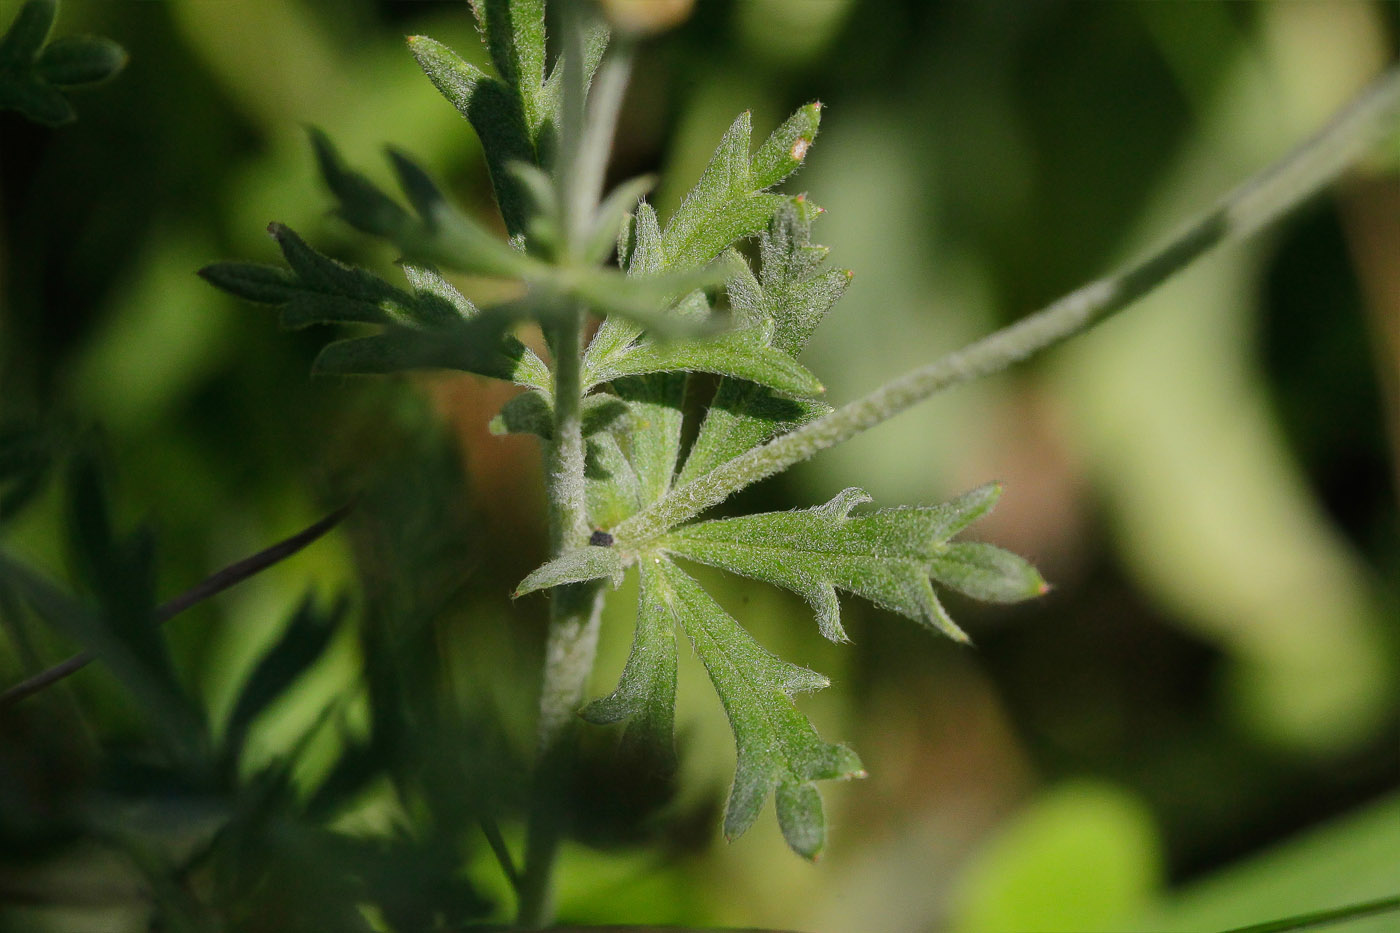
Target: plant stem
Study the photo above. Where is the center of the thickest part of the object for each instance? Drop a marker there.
(573, 629)
(1324, 917)
(1262, 199)
(585, 137)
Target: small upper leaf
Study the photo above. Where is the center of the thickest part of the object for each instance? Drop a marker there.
(496, 115)
(790, 297)
(886, 556)
(728, 203)
(515, 34)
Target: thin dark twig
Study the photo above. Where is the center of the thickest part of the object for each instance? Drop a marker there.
(502, 853)
(211, 585)
(1324, 917)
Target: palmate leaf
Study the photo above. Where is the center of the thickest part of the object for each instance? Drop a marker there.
(32, 72)
(430, 325)
(886, 556)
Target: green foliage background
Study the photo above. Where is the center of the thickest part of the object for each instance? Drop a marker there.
(1210, 482)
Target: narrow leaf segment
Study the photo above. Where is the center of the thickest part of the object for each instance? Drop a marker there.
(646, 692)
(778, 751)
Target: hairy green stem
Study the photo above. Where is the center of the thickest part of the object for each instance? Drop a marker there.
(568, 517)
(1258, 202)
(572, 641)
(574, 617)
(587, 125)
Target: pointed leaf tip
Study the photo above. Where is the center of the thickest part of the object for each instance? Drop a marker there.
(590, 562)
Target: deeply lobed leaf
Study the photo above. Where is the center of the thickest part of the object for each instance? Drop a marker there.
(728, 203)
(439, 235)
(790, 297)
(886, 556)
(431, 326)
(496, 114)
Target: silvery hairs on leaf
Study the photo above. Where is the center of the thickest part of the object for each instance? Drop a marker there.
(886, 556)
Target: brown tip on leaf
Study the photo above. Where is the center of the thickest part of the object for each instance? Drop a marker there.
(273, 229)
(817, 104)
(850, 274)
(1044, 588)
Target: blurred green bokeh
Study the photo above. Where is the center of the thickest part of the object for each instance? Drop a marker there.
(1209, 481)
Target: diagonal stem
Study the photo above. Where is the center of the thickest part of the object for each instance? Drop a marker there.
(211, 585)
(1261, 200)
(1323, 918)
